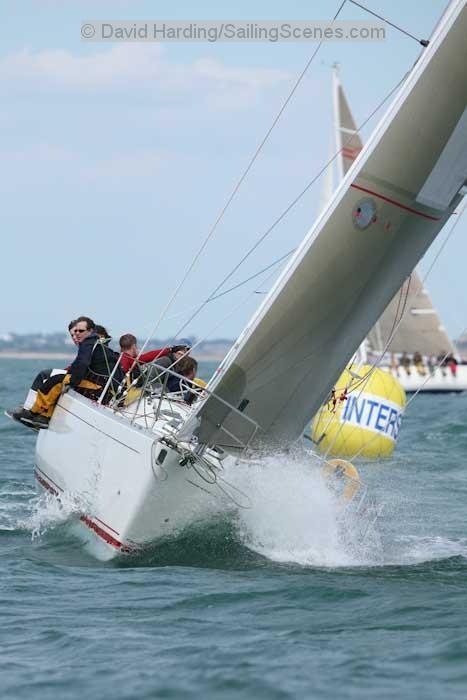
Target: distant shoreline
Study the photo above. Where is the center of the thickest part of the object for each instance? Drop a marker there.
(7, 355)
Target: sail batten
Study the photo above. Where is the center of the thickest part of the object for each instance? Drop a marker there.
(351, 264)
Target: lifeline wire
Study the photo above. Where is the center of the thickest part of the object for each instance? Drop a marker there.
(239, 183)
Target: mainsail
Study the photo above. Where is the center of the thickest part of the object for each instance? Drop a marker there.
(420, 329)
(357, 255)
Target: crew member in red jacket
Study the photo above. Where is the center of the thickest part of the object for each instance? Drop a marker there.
(129, 349)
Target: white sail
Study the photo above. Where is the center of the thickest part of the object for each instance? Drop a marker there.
(328, 181)
(352, 262)
(420, 329)
(348, 141)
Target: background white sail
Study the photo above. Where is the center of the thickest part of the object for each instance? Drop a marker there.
(420, 329)
(352, 262)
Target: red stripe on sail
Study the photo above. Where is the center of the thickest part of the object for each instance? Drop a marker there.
(351, 153)
(397, 204)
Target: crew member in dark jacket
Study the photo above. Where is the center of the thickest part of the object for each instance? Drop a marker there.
(88, 374)
(94, 364)
(182, 349)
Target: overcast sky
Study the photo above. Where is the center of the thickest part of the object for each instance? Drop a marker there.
(116, 159)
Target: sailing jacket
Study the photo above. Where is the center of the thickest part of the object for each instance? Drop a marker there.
(94, 361)
(127, 360)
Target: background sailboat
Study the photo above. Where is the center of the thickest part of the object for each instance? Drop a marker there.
(410, 324)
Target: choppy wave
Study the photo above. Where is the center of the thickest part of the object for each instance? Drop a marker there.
(292, 518)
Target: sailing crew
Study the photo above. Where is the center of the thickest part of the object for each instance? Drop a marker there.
(130, 352)
(405, 362)
(442, 357)
(432, 362)
(103, 334)
(49, 376)
(418, 363)
(394, 365)
(177, 352)
(452, 364)
(88, 374)
(187, 367)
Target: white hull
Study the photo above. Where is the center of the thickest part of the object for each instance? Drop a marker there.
(439, 381)
(111, 468)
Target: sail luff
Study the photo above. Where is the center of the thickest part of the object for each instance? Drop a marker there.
(351, 263)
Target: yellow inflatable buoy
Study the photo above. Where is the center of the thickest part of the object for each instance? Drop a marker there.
(364, 417)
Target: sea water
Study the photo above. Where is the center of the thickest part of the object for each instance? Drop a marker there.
(264, 599)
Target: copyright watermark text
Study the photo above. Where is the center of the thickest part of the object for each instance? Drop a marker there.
(230, 31)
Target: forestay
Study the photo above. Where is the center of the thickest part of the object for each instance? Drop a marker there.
(350, 265)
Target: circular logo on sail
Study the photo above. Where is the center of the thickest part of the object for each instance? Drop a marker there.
(364, 213)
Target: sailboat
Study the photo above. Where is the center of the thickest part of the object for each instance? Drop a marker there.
(145, 470)
(416, 329)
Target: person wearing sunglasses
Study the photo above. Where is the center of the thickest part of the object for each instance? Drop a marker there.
(88, 374)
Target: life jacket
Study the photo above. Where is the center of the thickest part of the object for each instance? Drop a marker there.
(103, 361)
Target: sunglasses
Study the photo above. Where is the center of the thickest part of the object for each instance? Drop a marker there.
(79, 330)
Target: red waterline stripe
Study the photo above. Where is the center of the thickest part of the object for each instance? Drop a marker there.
(46, 476)
(105, 525)
(102, 533)
(45, 484)
(397, 204)
(87, 521)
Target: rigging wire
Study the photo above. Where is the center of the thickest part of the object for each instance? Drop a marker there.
(423, 42)
(366, 378)
(290, 206)
(240, 284)
(419, 290)
(114, 404)
(361, 381)
(237, 286)
(396, 325)
(394, 330)
(239, 183)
